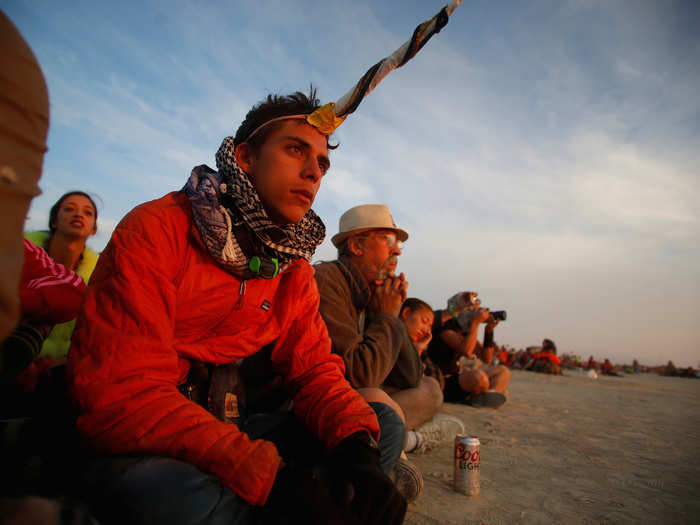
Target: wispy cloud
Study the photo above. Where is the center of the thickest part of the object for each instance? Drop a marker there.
(542, 154)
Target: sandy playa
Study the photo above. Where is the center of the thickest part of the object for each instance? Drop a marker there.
(572, 450)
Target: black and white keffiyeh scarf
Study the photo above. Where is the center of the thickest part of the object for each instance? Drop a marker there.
(234, 225)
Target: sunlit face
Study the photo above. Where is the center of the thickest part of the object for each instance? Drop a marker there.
(287, 169)
(377, 253)
(419, 323)
(76, 217)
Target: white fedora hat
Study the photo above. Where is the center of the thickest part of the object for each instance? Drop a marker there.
(364, 218)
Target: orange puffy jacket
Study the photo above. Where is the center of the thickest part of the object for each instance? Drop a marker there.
(157, 299)
(548, 356)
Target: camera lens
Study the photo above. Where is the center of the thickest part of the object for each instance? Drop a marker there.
(499, 315)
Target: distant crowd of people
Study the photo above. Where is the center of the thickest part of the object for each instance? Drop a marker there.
(545, 359)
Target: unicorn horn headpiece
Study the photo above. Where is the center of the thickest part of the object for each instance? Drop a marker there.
(327, 118)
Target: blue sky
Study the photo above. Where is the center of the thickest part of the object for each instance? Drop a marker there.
(543, 153)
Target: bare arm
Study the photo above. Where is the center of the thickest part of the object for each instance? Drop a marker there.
(465, 344)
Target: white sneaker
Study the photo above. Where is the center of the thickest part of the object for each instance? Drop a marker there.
(442, 428)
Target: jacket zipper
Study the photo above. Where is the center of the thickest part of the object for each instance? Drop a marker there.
(241, 292)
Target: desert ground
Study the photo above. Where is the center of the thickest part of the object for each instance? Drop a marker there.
(569, 449)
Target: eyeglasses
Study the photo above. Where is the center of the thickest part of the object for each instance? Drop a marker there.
(391, 240)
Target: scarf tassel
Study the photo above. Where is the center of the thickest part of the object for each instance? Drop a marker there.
(228, 252)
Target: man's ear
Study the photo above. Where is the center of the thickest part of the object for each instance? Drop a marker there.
(355, 246)
(245, 157)
(404, 314)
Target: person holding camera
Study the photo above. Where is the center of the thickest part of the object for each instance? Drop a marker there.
(455, 336)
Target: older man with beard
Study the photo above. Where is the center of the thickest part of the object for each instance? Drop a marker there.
(361, 298)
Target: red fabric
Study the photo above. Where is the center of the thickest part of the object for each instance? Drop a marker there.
(552, 358)
(156, 298)
(49, 292)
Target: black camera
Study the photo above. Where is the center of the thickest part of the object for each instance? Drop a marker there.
(499, 315)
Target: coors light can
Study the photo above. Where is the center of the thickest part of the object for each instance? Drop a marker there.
(467, 464)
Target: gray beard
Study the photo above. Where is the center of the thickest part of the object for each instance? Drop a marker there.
(383, 271)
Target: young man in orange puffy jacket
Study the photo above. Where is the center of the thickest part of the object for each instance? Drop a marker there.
(189, 286)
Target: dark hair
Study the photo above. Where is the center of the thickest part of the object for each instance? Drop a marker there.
(344, 248)
(275, 106)
(53, 214)
(413, 304)
(548, 344)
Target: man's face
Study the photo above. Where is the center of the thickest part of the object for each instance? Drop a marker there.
(378, 254)
(287, 169)
(419, 323)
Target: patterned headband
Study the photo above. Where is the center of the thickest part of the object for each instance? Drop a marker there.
(327, 118)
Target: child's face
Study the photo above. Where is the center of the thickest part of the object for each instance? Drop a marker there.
(287, 170)
(419, 323)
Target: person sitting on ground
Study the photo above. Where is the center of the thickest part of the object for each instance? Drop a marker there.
(505, 357)
(569, 361)
(636, 369)
(407, 373)
(417, 316)
(520, 359)
(688, 372)
(607, 369)
(180, 295)
(72, 221)
(482, 386)
(591, 364)
(670, 369)
(546, 360)
(361, 297)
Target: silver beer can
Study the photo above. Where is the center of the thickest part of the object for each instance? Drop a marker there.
(467, 463)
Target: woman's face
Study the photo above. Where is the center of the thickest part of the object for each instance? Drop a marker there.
(419, 323)
(76, 217)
